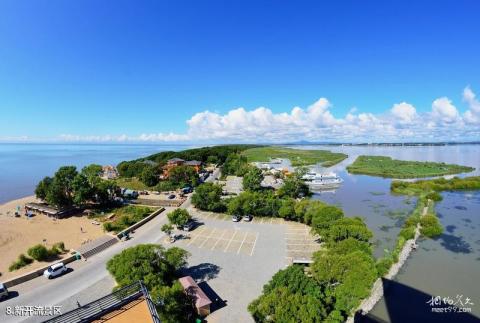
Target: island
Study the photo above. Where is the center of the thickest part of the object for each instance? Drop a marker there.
(384, 166)
(298, 157)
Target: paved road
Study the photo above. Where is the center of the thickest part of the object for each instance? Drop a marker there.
(89, 279)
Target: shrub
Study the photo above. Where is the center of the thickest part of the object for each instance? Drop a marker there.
(38, 252)
(22, 261)
(431, 227)
(434, 196)
(408, 233)
(383, 266)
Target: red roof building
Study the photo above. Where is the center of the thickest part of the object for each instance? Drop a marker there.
(202, 302)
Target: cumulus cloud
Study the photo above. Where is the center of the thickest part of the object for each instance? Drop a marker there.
(404, 112)
(317, 122)
(472, 115)
(444, 111)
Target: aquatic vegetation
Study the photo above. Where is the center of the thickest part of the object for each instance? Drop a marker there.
(298, 157)
(387, 167)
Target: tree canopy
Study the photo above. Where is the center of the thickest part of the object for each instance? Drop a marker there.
(208, 197)
(68, 187)
(179, 217)
(252, 179)
(156, 267)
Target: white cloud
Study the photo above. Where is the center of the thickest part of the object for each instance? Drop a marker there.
(472, 115)
(444, 111)
(404, 112)
(317, 122)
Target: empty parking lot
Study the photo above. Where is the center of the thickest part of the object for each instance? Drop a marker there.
(300, 243)
(229, 240)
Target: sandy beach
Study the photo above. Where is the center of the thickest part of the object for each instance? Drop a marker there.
(19, 234)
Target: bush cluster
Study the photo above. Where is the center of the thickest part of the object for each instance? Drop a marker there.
(22, 261)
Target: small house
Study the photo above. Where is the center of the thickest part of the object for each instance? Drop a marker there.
(202, 302)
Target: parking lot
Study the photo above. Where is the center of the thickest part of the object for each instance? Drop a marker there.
(226, 217)
(300, 243)
(231, 240)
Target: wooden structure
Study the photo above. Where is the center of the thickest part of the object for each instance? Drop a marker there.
(202, 302)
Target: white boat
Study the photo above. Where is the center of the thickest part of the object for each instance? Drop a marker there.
(322, 180)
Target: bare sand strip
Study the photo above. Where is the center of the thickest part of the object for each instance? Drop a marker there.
(19, 234)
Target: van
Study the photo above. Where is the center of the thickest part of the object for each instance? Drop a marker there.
(3, 291)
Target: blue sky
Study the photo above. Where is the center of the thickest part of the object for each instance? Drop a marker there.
(117, 70)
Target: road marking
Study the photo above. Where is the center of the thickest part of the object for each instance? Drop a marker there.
(209, 236)
(218, 239)
(245, 237)
(228, 245)
(196, 236)
(254, 243)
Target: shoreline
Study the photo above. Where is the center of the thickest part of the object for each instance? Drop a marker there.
(378, 288)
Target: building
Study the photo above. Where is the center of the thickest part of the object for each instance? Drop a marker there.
(202, 302)
(48, 210)
(175, 162)
(131, 303)
(109, 172)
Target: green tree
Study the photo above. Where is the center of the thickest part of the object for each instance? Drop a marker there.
(151, 263)
(43, 187)
(60, 192)
(167, 229)
(252, 179)
(294, 187)
(287, 209)
(174, 305)
(82, 191)
(92, 172)
(179, 217)
(208, 197)
(183, 175)
(149, 176)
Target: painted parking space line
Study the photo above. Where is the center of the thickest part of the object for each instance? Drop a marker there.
(230, 242)
(196, 236)
(220, 238)
(243, 241)
(251, 237)
(254, 244)
(209, 236)
(246, 249)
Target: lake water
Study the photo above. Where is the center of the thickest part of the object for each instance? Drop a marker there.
(23, 165)
(447, 266)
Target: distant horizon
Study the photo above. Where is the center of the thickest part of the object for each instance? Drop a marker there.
(246, 143)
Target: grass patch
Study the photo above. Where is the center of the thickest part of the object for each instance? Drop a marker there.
(387, 167)
(298, 157)
(132, 183)
(126, 216)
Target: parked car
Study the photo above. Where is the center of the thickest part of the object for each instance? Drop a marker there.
(3, 291)
(247, 218)
(188, 226)
(171, 196)
(55, 270)
(236, 218)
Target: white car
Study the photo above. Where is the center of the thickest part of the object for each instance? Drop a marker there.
(55, 270)
(236, 218)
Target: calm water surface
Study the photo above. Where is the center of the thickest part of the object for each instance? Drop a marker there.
(23, 165)
(447, 266)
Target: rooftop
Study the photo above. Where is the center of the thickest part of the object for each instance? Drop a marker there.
(192, 289)
(131, 303)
